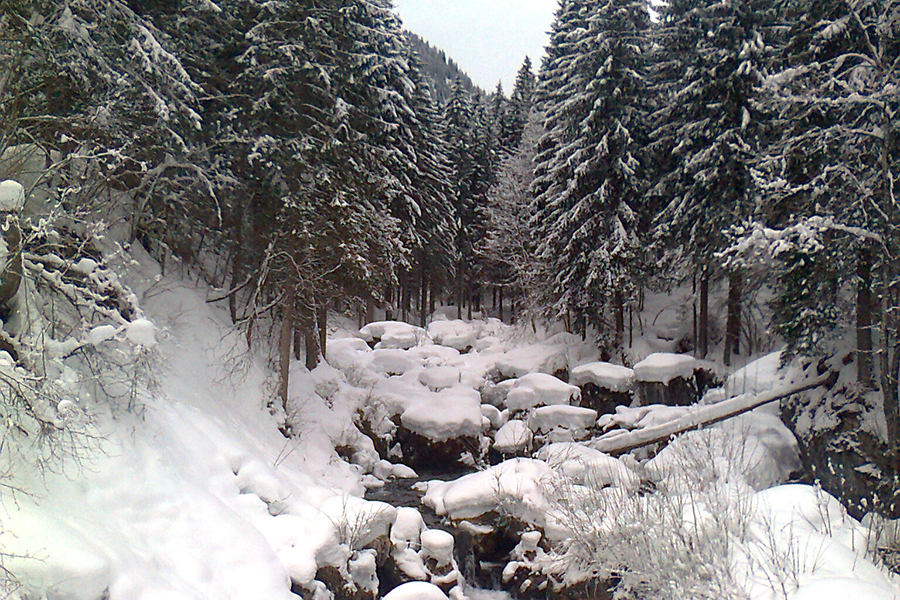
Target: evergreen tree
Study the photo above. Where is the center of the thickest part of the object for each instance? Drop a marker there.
(715, 60)
(519, 107)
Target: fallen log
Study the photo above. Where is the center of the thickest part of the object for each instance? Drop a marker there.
(620, 442)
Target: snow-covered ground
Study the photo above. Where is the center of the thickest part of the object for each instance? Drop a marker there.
(194, 493)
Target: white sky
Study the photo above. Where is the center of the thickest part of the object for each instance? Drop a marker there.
(489, 39)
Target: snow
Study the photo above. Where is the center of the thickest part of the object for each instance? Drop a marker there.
(454, 413)
(438, 544)
(494, 415)
(416, 590)
(539, 389)
(607, 376)
(102, 333)
(514, 436)
(663, 367)
(575, 419)
(12, 196)
(391, 361)
(346, 353)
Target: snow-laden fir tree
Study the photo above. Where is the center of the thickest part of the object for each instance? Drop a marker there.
(518, 109)
(592, 240)
(716, 57)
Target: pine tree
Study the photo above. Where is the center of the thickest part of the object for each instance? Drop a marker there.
(591, 244)
(519, 107)
(716, 59)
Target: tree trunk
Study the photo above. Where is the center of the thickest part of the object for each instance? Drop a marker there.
(423, 297)
(500, 299)
(370, 308)
(864, 317)
(284, 350)
(619, 317)
(431, 297)
(890, 356)
(733, 324)
(298, 342)
(460, 292)
(235, 278)
(322, 322)
(703, 322)
(311, 342)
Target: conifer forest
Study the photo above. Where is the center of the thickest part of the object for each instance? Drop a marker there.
(291, 307)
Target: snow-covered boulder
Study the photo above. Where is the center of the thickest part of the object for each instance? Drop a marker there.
(416, 590)
(456, 334)
(665, 378)
(392, 334)
(604, 386)
(12, 196)
(495, 393)
(586, 466)
(614, 378)
(495, 416)
(572, 422)
(439, 378)
(346, 353)
(539, 389)
(514, 438)
(391, 361)
(450, 414)
(515, 485)
(537, 358)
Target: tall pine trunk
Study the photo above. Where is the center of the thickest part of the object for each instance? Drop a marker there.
(322, 322)
(284, 348)
(619, 317)
(733, 323)
(864, 317)
(423, 297)
(703, 319)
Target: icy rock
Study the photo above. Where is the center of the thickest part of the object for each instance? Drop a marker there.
(392, 334)
(577, 420)
(663, 367)
(588, 466)
(416, 590)
(456, 334)
(513, 438)
(391, 361)
(12, 196)
(141, 332)
(610, 377)
(537, 358)
(539, 389)
(439, 378)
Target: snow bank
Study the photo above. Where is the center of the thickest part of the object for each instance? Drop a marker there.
(540, 389)
(439, 378)
(454, 413)
(663, 367)
(346, 353)
(610, 377)
(391, 361)
(515, 484)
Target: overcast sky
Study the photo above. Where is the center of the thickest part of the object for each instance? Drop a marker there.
(489, 39)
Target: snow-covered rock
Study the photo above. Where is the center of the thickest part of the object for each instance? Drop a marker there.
(456, 334)
(439, 378)
(537, 358)
(346, 353)
(513, 438)
(141, 332)
(663, 367)
(391, 361)
(453, 413)
(393, 334)
(614, 378)
(12, 196)
(516, 485)
(586, 466)
(540, 389)
(416, 590)
(495, 416)
(576, 420)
